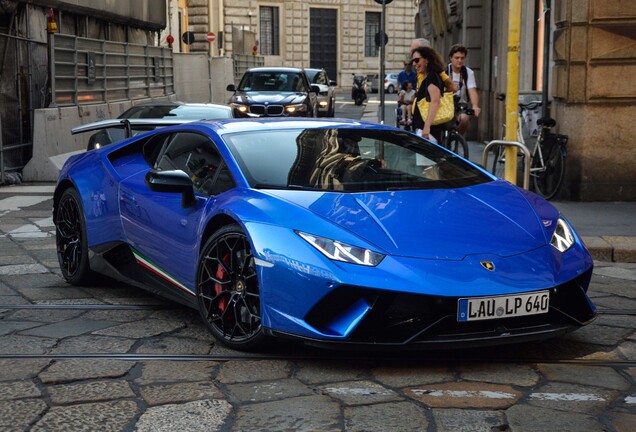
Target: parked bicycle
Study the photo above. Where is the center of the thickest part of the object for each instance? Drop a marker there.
(547, 165)
(452, 139)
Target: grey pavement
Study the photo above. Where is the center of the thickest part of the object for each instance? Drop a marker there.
(110, 357)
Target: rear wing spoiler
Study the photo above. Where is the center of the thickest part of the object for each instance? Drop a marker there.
(127, 124)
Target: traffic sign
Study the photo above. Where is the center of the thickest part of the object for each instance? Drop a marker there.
(386, 2)
(211, 37)
(378, 39)
(187, 37)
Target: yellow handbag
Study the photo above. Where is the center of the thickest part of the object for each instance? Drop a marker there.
(445, 111)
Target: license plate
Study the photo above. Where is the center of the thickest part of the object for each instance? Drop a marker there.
(485, 308)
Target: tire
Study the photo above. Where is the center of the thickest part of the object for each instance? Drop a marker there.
(499, 163)
(71, 240)
(331, 112)
(228, 293)
(547, 183)
(390, 89)
(359, 100)
(457, 144)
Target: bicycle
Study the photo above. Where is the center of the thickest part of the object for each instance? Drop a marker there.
(452, 139)
(547, 157)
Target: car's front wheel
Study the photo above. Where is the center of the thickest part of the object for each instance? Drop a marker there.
(70, 239)
(228, 291)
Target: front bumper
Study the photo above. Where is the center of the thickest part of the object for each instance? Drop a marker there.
(403, 320)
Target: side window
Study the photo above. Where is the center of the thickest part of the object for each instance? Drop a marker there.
(153, 147)
(321, 79)
(196, 155)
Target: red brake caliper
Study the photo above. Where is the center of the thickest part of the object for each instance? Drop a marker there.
(220, 275)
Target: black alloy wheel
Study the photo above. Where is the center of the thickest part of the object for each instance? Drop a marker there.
(70, 239)
(228, 293)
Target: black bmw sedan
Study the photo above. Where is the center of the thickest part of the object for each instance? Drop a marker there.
(274, 92)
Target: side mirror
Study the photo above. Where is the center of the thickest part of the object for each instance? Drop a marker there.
(175, 181)
(231, 87)
(332, 83)
(314, 88)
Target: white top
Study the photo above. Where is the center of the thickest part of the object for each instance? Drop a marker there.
(407, 96)
(469, 84)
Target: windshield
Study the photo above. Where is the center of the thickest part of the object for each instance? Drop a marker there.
(271, 81)
(311, 73)
(348, 160)
(186, 112)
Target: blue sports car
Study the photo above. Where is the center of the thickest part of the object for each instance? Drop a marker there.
(332, 232)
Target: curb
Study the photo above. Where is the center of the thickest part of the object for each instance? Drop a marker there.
(612, 248)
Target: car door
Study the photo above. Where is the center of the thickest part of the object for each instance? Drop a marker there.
(164, 234)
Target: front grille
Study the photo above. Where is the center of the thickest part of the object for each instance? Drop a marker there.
(267, 110)
(397, 317)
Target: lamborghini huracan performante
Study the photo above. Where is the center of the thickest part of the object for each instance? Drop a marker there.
(331, 232)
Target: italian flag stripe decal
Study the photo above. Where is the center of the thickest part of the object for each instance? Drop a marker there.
(146, 263)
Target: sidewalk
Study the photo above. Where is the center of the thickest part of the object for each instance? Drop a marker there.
(608, 229)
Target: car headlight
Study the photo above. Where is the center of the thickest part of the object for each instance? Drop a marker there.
(338, 251)
(239, 107)
(296, 108)
(563, 238)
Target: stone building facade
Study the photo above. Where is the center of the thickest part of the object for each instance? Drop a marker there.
(594, 89)
(340, 24)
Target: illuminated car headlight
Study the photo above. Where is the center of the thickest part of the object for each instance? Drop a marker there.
(239, 107)
(338, 251)
(563, 238)
(295, 108)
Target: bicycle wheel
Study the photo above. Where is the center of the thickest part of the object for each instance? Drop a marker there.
(499, 161)
(547, 180)
(457, 144)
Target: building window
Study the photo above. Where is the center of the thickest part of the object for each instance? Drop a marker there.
(269, 30)
(371, 28)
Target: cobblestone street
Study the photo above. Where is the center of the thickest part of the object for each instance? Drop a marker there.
(113, 357)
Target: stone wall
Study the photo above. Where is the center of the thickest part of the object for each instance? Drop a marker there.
(594, 89)
(294, 34)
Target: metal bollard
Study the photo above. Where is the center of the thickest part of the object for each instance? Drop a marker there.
(523, 148)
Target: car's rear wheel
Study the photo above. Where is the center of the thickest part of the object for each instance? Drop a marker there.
(70, 239)
(228, 291)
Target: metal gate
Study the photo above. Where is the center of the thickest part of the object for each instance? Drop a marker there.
(323, 44)
(22, 89)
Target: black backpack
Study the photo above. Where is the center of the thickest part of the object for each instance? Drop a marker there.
(462, 80)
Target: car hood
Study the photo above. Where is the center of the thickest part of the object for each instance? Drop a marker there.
(493, 218)
(278, 98)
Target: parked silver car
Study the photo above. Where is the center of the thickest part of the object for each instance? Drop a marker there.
(327, 94)
(141, 117)
(390, 82)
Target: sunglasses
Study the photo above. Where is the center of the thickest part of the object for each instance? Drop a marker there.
(416, 60)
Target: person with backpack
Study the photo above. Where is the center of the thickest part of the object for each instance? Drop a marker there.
(464, 78)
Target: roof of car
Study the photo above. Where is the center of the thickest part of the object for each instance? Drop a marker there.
(274, 69)
(225, 126)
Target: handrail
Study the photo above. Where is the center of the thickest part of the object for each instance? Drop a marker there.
(522, 147)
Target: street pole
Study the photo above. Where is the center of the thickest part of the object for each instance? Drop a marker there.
(382, 50)
(545, 110)
(512, 88)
